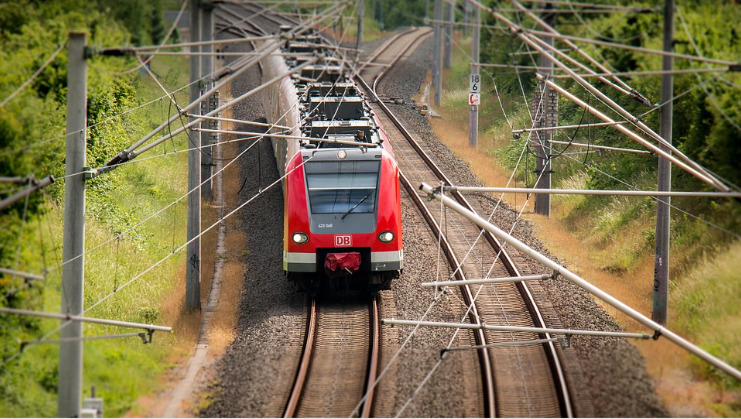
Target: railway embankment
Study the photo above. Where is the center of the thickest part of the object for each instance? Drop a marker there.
(610, 241)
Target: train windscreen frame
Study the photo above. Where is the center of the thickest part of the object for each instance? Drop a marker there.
(342, 187)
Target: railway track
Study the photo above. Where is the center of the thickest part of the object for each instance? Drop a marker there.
(518, 378)
(339, 362)
(338, 365)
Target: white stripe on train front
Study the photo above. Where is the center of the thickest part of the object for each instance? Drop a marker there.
(380, 261)
(385, 261)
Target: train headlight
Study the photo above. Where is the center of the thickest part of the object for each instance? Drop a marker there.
(300, 238)
(386, 237)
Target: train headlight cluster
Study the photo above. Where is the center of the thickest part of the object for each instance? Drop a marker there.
(300, 238)
(386, 237)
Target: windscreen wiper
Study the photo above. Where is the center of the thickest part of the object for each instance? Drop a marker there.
(356, 205)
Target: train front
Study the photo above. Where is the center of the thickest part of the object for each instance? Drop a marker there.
(343, 218)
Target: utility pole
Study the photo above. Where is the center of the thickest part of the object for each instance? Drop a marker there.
(473, 118)
(437, 83)
(449, 17)
(207, 26)
(663, 211)
(466, 16)
(546, 113)
(361, 16)
(193, 263)
(69, 396)
(380, 15)
(334, 21)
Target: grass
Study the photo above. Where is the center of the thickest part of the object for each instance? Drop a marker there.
(707, 307)
(121, 369)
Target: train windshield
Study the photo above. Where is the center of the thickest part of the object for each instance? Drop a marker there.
(342, 187)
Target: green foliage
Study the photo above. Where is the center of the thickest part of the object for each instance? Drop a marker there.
(32, 127)
(706, 127)
(393, 14)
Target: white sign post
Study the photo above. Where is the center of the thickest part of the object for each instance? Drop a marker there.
(474, 90)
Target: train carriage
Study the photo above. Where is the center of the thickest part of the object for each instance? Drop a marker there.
(342, 203)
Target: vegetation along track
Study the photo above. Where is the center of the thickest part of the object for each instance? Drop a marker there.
(339, 363)
(522, 372)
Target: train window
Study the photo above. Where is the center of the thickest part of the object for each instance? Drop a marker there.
(342, 187)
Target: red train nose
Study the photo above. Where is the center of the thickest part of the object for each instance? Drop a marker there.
(339, 264)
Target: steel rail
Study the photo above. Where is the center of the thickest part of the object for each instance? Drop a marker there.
(474, 317)
(380, 50)
(306, 354)
(487, 371)
(423, 34)
(658, 329)
(549, 347)
(373, 356)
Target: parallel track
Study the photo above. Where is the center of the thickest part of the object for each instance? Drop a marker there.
(509, 375)
(497, 304)
(339, 362)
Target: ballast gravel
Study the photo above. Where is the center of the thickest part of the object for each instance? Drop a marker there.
(252, 377)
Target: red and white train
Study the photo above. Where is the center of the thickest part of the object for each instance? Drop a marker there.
(342, 205)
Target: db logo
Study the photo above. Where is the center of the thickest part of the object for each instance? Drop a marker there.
(343, 241)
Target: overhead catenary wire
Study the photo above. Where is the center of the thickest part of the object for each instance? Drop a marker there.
(597, 292)
(624, 87)
(33, 76)
(682, 164)
(592, 5)
(164, 41)
(469, 307)
(602, 147)
(89, 127)
(166, 207)
(436, 300)
(726, 63)
(170, 254)
(613, 192)
(240, 68)
(132, 152)
(672, 205)
(707, 93)
(540, 45)
(182, 197)
(202, 232)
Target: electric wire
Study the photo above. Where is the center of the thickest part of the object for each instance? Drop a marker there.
(595, 33)
(707, 93)
(145, 63)
(436, 300)
(673, 206)
(105, 121)
(170, 254)
(33, 76)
